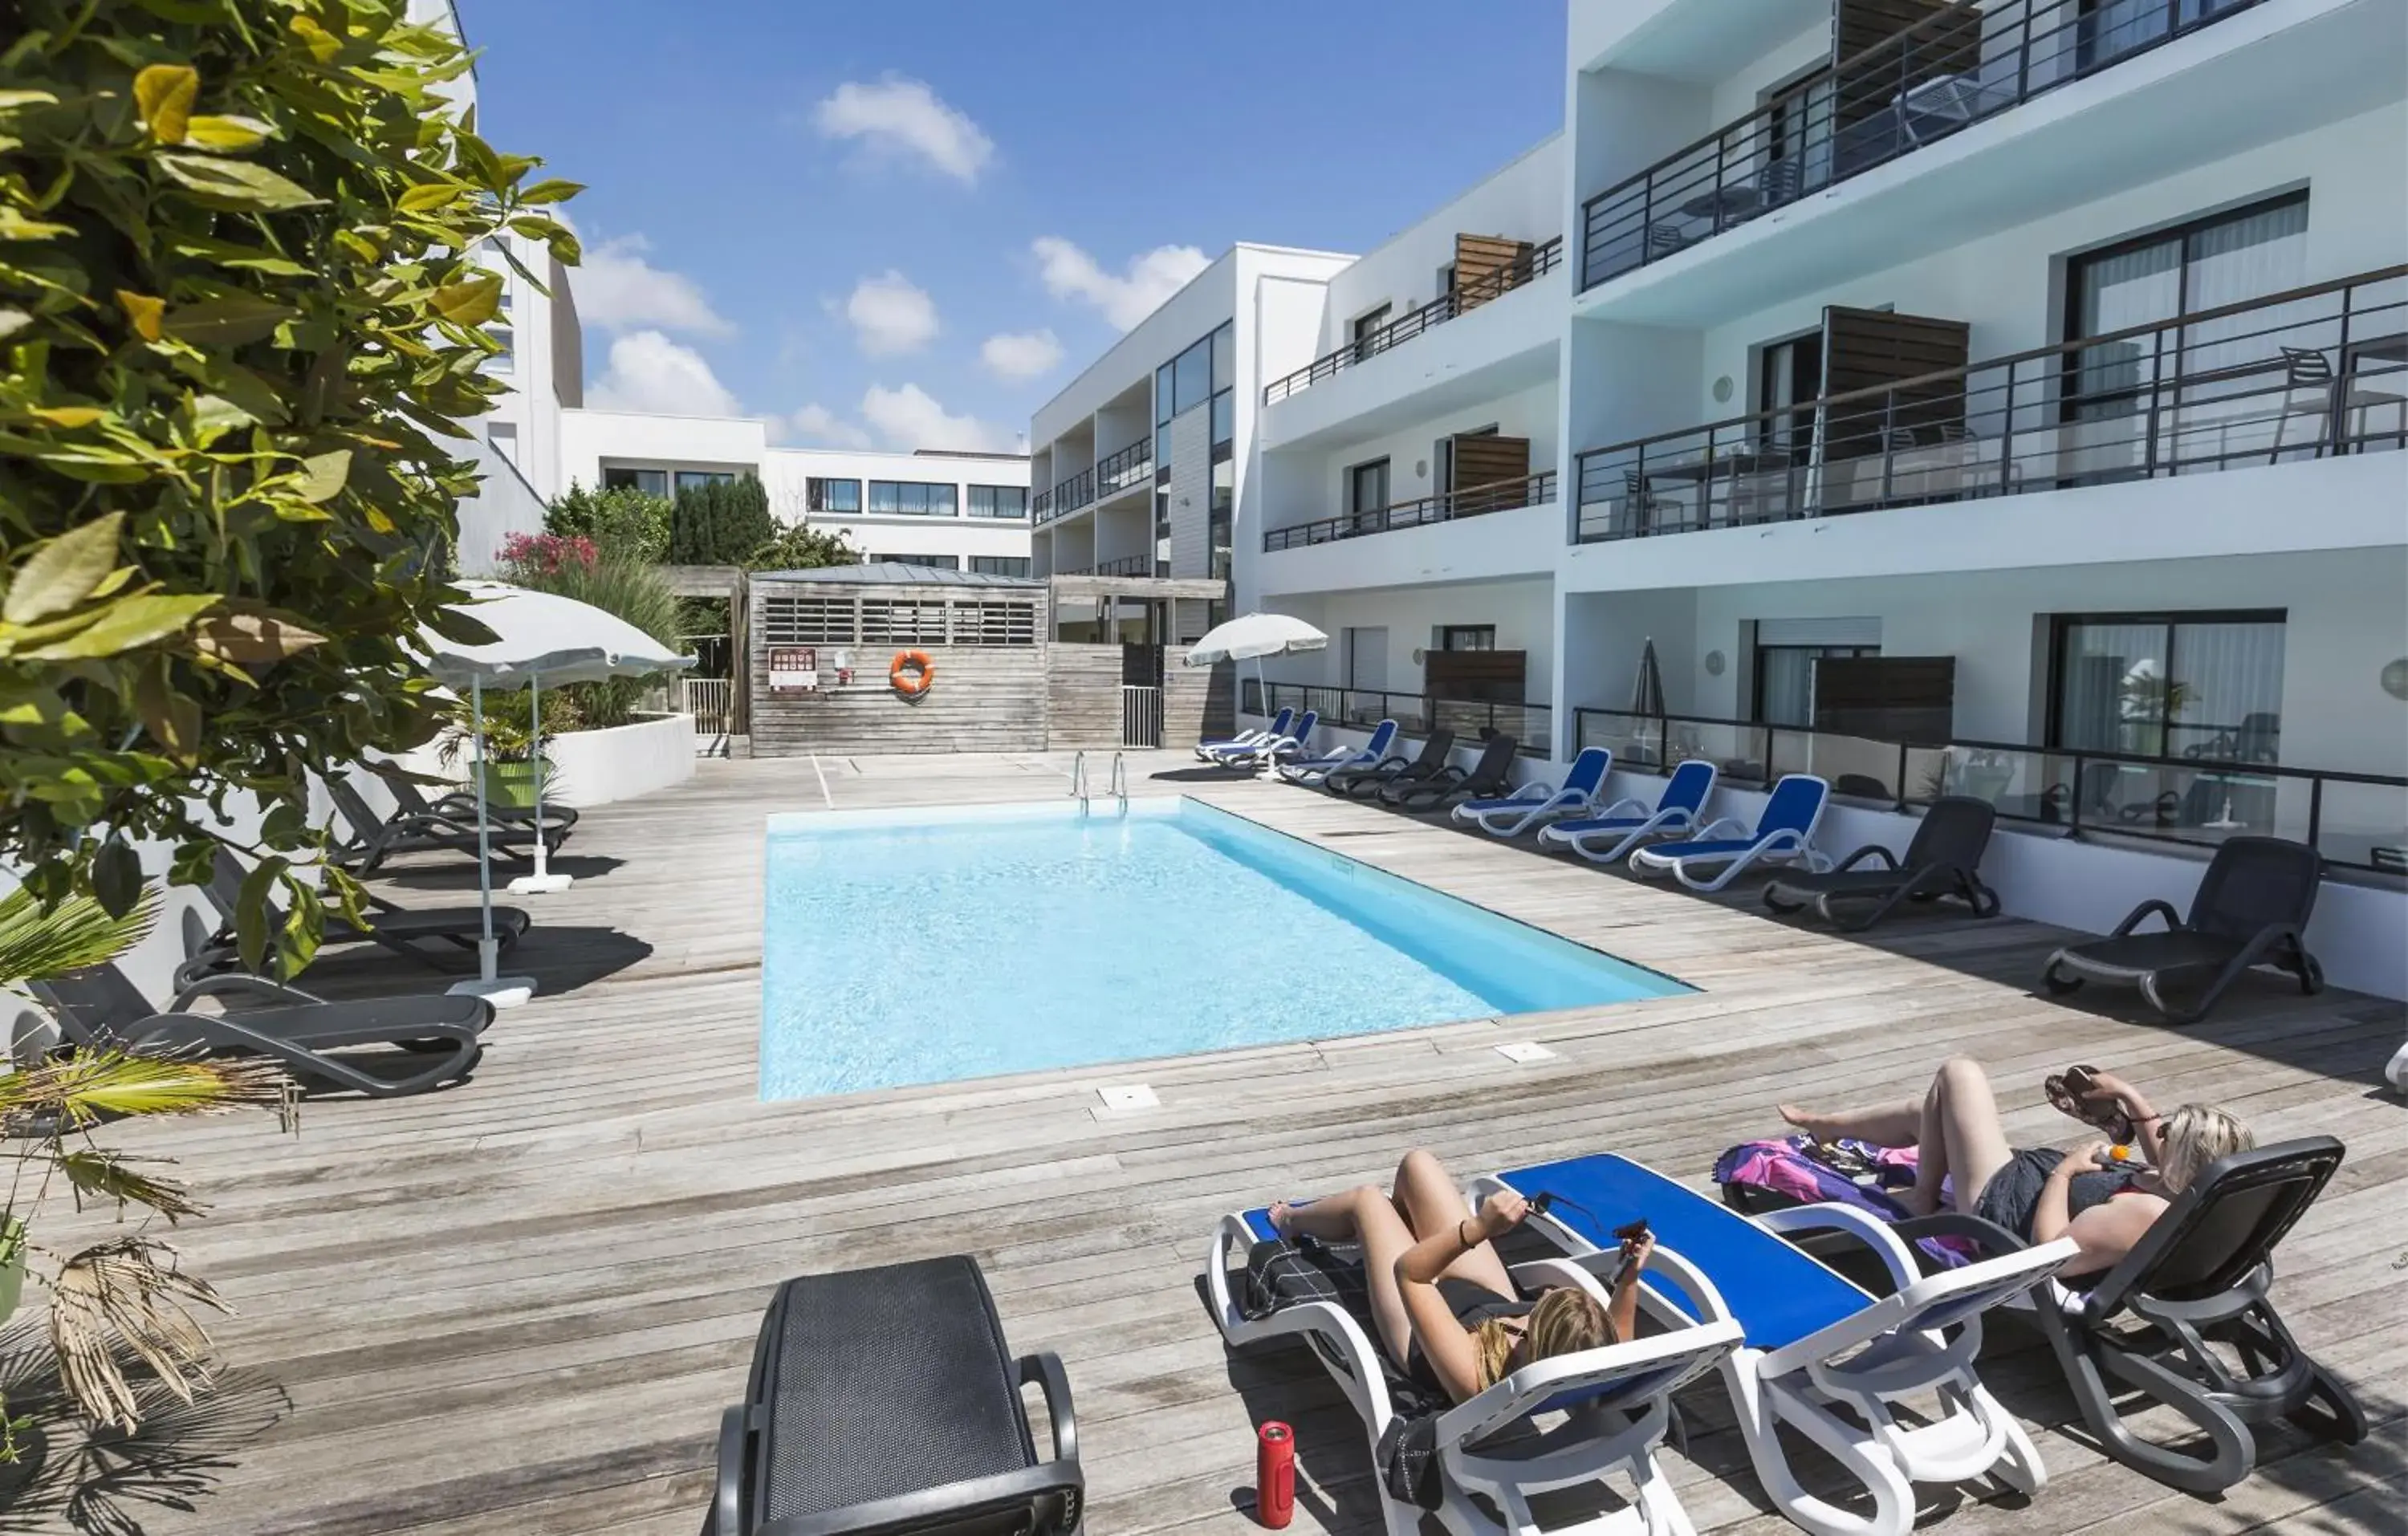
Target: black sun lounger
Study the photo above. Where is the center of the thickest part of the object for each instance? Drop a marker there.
(2198, 1278)
(374, 839)
(1363, 782)
(883, 1399)
(461, 806)
(2252, 910)
(1492, 775)
(433, 936)
(1944, 859)
(101, 1008)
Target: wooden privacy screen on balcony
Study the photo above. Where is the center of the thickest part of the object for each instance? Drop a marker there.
(1870, 349)
(1484, 676)
(1888, 698)
(1482, 263)
(1948, 42)
(1484, 458)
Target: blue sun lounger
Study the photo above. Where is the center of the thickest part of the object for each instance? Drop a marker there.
(1316, 770)
(1533, 804)
(1784, 834)
(1617, 1399)
(1627, 824)
(1272, 751)
(1211, 751)
(1816, 1342)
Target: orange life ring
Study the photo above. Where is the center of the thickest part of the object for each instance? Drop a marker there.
(911, 673)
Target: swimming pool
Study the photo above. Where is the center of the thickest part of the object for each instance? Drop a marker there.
(926, 945)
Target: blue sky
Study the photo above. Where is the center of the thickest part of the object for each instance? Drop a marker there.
(908, 222)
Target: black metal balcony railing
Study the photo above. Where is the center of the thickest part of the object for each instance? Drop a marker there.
(1065, 498)
(2308, 373)
(1531, 725)
(1040, 506)
(1472, 501)
(2357, 821)
(1542, 259)
(1952, 68)
(1131, 466)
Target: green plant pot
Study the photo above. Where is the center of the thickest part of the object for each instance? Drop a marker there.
(12, 1266)
(511, 785)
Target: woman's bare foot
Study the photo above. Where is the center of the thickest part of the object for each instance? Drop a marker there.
(1817, 1125)
(1281, 1213)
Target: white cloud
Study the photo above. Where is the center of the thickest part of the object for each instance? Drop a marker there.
(1150, 278)
(898, 116)
(618, 290)
(1022, 357)
(648, 372)
(818, 423)
(910, 417)
(889, 315)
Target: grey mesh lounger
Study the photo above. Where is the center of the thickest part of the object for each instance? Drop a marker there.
(435, 937)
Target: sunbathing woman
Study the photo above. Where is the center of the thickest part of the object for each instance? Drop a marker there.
(1445, 1305)
(2038, 1193)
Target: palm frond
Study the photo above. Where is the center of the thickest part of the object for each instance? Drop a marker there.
(85, 1088)
(76, 933)
(99, 1174)
(128, 1295)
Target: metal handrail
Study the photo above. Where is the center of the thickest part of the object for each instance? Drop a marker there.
(1067, 497)
(1916, 773)
(1881, 103)
(1471, 501)
(1131, 466)
(2147, 400)
(1543, 259)
(1416, 714)
(1119, 781)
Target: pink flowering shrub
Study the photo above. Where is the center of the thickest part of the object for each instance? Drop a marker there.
(546, 554)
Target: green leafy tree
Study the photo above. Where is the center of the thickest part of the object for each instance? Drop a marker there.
(720, 523)
(630, 589)
(801, 547)
(620, 522)
(244, 287)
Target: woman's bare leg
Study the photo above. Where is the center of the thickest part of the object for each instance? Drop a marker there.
(1366, 1215)
(1888, 1125)
(1976, 1144)
(1430, 1203)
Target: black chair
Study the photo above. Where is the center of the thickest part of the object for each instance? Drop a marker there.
(2199, 1277)
(1493, 774)
(885, 1400)
(1944, 859)
(1862, 786)
(2252, 908)
(1363, 782)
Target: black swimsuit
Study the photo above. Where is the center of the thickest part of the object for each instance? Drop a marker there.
(1472, 1305)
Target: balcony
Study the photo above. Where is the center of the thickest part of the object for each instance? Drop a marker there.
(2222, 786)
(1498, 496)
(1519, 273)
(1131, 467)
(1065, 498)
(1127, 565)
(1917, 87)
(2313, 373)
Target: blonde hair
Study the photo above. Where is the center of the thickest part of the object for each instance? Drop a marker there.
(2195, 1136)
(1564, 1321)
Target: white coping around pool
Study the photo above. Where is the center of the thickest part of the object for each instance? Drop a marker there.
(1156, 807)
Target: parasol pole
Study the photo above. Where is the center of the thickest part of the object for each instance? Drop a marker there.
(542, 880)
(499, 990)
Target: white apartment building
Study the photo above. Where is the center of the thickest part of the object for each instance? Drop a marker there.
(2004, 399)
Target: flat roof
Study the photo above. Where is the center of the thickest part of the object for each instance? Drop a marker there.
(897, 573)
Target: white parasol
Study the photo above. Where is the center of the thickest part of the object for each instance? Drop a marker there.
(1252, 637)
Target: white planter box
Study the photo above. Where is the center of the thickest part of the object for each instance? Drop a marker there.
(596, 768)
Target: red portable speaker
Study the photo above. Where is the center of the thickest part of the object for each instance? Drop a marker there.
(1275, 1475)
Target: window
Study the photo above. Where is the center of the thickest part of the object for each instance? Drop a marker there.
(653, 482)
(1446, 280)
(998, 564)
(1785, 680)
(2198, 686)
(1163, 395)
(1217, 536)
(506, 360)
(2227, 259)
(1467, 636)
(941, 562)
(504, 436)
(806, 621)
(998, 501)
(1367, 487)
(696, 478)
(1224, 357)
(831, 495)
(1225, 417)
(910, 499)
(1789, 374)
(1191, 377)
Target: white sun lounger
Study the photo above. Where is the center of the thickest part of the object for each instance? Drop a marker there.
(1213, 751)
(1532, 804)
(1316, 771)
(1627, 824)
(1616, 1399)
(1784, 834)
(1815, 1342)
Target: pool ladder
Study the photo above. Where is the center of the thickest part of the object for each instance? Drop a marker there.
(1116, 786)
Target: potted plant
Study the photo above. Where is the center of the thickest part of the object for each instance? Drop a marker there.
(510, 769)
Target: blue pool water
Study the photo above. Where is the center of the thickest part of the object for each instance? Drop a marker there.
(927, 945)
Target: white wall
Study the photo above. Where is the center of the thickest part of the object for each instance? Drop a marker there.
(591, 438)
(1523, 612)
(1311, 484)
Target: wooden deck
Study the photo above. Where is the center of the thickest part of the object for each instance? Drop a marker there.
(516, 1307)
